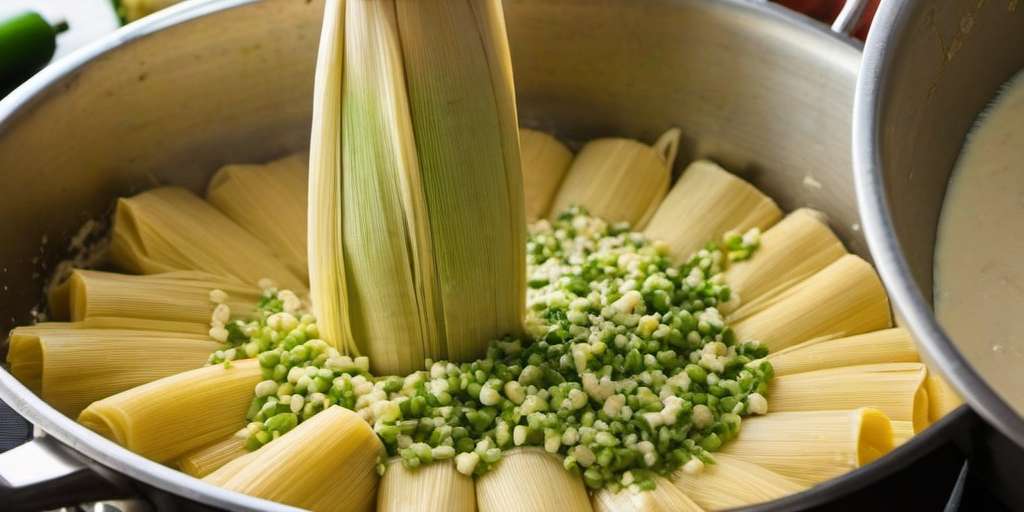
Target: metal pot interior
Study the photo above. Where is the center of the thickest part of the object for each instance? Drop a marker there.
(768, 100)
(766, 93)
(930, 69)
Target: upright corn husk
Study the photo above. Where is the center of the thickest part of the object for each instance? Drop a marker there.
(545, 162)
(811, 447)
(731, 483)
(665, 497)
(791, 251)
(169, 228)
(705, 203)
(885, 346)
(327, 463)
(896, 389)
(619, 180)
(167, 418)
(417, 225)
(203, 461)
(173, 296)
(942, 398)
(77, 366)
(269, 201)
(531, 480)
(435, 487)
(327, 283)
(843, 299)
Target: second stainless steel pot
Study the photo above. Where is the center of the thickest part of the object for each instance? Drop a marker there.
(930, 68)
(765, 92)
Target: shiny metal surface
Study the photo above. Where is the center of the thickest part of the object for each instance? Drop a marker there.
(39, 474)
(849, 16)
(36, 462)
(764, 91)
(930, 67)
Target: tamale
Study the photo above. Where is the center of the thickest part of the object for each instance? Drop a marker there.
(704, 204)
(545, 162)
(619, 180)
(416, 220)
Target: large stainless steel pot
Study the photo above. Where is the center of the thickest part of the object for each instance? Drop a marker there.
(766, 92)
(930, 67)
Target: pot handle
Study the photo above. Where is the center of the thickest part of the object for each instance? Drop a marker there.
(849, 16)
(43, 474)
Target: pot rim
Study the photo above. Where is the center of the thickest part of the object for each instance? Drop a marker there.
(872, 201)
(122, 460)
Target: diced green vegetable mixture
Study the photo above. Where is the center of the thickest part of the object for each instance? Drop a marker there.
(627, 368)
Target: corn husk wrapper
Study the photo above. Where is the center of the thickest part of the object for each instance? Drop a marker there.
(545, 162)
(843, 299)
(811, 447)
(942, 398)
(206, 460)
(77, 366)
(25, 354)
(704, 204)
(132, 10)
(902, 431)
(269, 201)
(58, 300)
(530, 480)
(428, 161)
(172, 297)
(167, 418)
(896, 389)
(731, 483)
(665, 497)
(619, 180)
(436, 487)
(790, 251)
(327, 463)
(885, 346)
(142, 324)
(169, 228)
(327, 283)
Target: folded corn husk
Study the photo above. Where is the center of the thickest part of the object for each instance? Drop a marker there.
(902, 431)
(71, 367)
(434, 487)
(731, 483)
(791, 251)
(411, 160)
(896, 389)
(531, 480)
(167, 418)
(269, 201)
(811, 447)
(843, 299)
(169, 228)
(327, 463)
(885, 346)
(619, 180)
(665, 497)
(705, 203)
(942, 398)
(545, 162)
(173, 297)
(206, 460)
